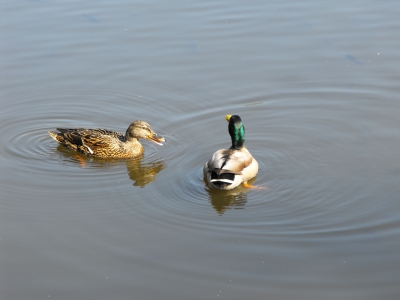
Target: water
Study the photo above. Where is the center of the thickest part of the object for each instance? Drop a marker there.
(317, 88)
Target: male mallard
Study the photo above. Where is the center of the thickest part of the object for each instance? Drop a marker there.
(107, 143)
(229, 168)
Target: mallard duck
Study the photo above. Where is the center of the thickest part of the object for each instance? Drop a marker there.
(228, 168)
(106, 143)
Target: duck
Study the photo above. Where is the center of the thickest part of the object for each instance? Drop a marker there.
(107, 143)
(229, 168)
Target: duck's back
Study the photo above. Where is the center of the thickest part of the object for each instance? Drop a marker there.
(97, 142)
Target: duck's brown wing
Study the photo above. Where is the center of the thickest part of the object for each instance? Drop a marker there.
(91, 140)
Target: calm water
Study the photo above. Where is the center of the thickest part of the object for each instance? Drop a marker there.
(317, 87)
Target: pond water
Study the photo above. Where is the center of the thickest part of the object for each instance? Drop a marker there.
(316, 85)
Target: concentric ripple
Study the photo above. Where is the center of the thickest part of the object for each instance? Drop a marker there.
(37, 164)
(295, 170)
(294, 175)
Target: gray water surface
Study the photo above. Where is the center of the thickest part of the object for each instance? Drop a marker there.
(316, 85)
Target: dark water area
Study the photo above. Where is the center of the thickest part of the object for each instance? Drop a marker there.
(316, 85)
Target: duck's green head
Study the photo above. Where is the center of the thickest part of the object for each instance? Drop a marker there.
(236, 131)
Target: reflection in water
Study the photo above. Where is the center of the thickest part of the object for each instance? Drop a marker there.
(222, 200)
(141, 173)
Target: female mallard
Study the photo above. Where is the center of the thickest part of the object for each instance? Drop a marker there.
(227, 169)
(106, 143)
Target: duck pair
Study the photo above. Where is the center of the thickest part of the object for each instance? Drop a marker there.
(226, 169)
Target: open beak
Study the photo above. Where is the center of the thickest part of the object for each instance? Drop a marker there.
(156, 138)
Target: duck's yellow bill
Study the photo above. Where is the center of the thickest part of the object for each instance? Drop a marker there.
(156, 138)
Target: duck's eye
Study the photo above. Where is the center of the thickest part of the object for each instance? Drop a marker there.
(147, 129)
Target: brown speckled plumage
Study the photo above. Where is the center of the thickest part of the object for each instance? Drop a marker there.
(106, 143)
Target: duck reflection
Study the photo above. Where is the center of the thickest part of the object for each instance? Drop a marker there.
(222, 200)
(140, 172)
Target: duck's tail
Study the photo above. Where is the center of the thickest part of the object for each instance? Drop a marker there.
(222, 180)
(57, 136)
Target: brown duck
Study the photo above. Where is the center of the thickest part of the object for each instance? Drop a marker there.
(106, 143)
